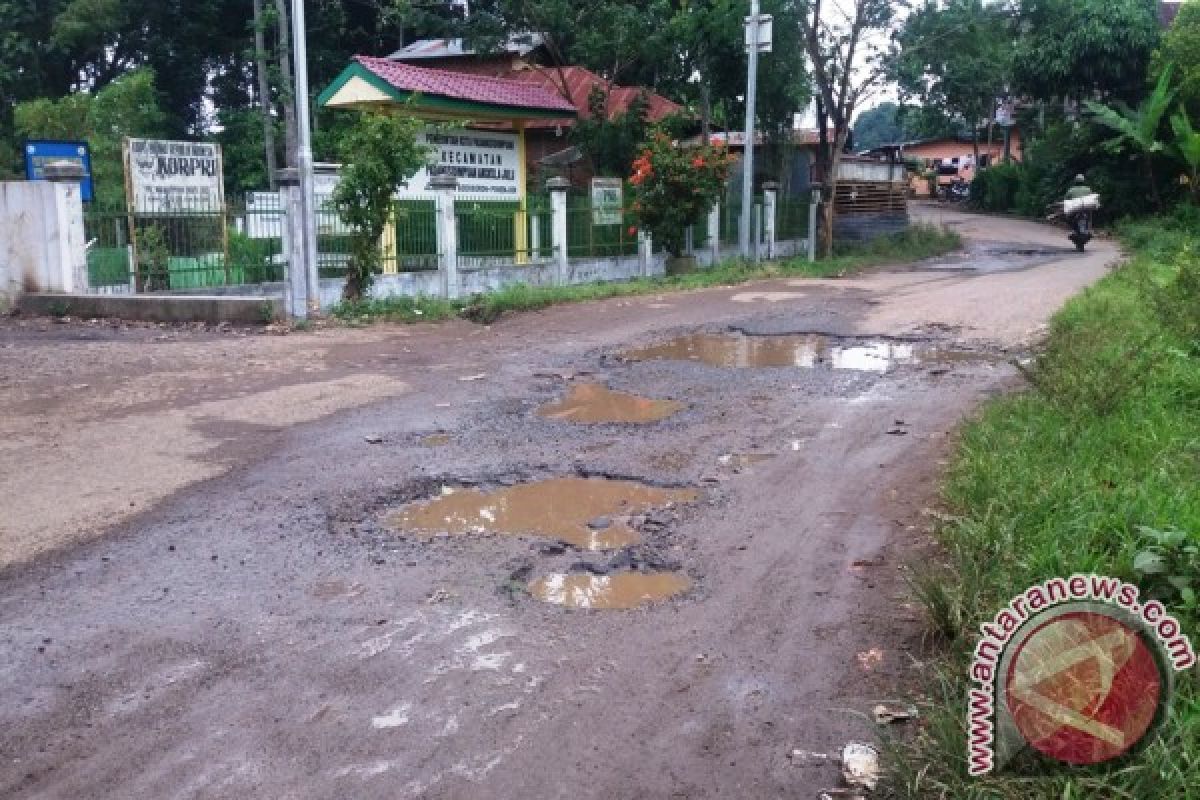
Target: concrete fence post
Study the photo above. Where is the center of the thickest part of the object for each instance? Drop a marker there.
(770, 215)
(447, 234)
(645, 253)
(69, 209)
(714, 233)
(295, 278)
(812, 222)
(558, 228)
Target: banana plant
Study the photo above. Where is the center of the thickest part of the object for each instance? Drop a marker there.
(1139, 127)
(1187, 147)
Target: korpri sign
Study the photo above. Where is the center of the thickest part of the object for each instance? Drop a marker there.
(173, 176)
(40, 153)
(486, 163)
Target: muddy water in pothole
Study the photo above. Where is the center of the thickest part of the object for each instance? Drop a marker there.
(740, 351)
(596, 403)
(623, 590)
(435, 440)
(590, 513)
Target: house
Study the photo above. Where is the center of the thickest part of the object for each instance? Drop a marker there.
(951, 157)
(523, 58)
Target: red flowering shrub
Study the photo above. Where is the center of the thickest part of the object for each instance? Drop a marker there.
(674, 187)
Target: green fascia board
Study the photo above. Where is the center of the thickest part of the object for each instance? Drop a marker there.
(435, 102)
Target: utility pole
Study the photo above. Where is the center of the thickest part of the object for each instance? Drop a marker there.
(758, 39)
(307, 230)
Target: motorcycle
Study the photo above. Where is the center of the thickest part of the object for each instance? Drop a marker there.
(1078, 213)
(957, 191)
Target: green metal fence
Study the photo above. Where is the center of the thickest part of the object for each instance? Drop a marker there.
(494, 233)
(791, 219)
(599, 232)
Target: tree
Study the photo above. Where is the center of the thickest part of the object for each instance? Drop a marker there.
(674, 187)
(1139, 128)
(129, 106)
(379, 152)
(1077, 48)
(1181, 47)
(955, 57)
(1186, 146)
(878, 126)
(847, 70)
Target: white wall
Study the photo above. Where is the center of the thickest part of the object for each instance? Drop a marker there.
(42, 247)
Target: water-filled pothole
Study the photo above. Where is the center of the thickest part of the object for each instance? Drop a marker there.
(596, 403)
(590, 513)
(622, 590)
(736, 350)
(435, 440)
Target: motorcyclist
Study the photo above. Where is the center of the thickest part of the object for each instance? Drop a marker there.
(1079, 188)
(1080, 222)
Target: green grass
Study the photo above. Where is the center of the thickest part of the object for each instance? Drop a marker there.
(1075, 475)
(918, 242)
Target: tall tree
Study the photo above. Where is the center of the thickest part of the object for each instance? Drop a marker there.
(955, 57)
(1181, 47)
(878, 126)
(1075, 49)
(846, 57)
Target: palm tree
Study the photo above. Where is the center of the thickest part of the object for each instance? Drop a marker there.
(1139, 127)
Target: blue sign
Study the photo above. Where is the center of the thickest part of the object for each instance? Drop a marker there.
(38, 154)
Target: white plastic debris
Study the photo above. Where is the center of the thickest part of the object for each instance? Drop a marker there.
(860, 766)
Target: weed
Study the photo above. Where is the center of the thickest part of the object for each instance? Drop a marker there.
(1093, 471)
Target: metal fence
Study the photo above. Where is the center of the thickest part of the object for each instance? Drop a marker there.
(500, 234)
(602, 232)
(791, 219)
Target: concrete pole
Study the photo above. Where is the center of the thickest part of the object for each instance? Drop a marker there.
(447, 233)
(295, 279)
(770, 204)
(69, 207)
(812, 222)
(645, 253)
(304, 157)
(558, 228)
(748, 151)
(714, 233)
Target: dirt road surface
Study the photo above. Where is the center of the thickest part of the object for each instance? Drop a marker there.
(215, 583)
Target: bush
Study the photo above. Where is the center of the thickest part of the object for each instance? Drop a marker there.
(995, 188)
(674, 187)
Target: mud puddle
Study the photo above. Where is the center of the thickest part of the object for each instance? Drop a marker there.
(743, 460)
(620, 591)
(736, 350)
(435, 440)
(590, 403)
(589, 513)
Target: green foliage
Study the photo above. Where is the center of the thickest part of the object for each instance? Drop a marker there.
(379, 153)
(126, 107)
(878, 126)
(611, 144)
(1181, 47)
(1186, 147)
(1138, 127)
(674, 187)
(241, 140)
(1075, 48)
(153, 259)
(955, 57)
(1061, 480)
(996, 188)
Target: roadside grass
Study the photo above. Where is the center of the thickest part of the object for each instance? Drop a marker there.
(916, 243)
(1099, 461)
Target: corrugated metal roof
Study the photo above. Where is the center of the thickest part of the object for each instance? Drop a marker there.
(462, 86)
(577, 84)
(519, 44)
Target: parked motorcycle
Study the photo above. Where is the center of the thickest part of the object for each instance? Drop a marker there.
(957, 191)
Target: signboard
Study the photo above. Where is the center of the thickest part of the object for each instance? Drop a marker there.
(173, 176)
(766, 30)
(484, 162)
(40, 153)
(607, 201)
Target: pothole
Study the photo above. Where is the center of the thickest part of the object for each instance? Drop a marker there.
(588, 513)
(737, 350)
(435, 440)
(619, 591)
(596, 403)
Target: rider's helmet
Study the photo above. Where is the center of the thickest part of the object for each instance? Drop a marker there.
(1080, 180)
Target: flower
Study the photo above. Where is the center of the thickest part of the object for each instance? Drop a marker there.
(698, 161)
(632, 230)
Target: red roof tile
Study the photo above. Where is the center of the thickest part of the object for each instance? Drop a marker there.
(579, 83)
(460, 86)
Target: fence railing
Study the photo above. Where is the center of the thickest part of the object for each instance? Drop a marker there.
(244, 242)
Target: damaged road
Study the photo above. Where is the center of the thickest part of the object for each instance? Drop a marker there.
(647, 547)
